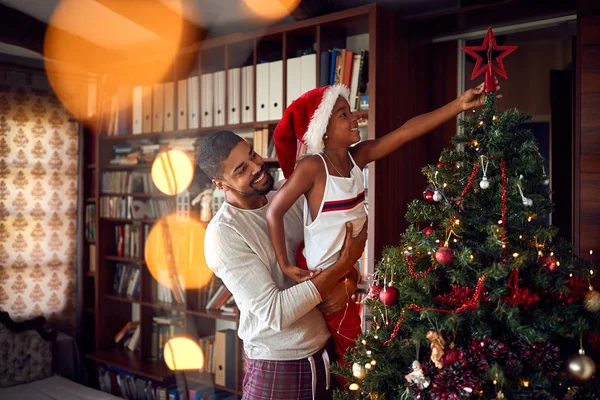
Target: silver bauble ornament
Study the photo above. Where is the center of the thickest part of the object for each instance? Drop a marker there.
(546, 181)
(437, 196)
(591, 301)
(581, 367)
(484, 184)
(527, 202)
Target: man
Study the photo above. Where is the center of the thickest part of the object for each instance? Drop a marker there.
(284, 334)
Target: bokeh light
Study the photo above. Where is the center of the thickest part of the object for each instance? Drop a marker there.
(172, 172)
(181, 353)
(113, 43)
(272, 9)
(174, 252)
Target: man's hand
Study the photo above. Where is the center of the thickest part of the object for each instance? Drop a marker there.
(339, 296)
(353, 247)
(298, 274)
(473, 98)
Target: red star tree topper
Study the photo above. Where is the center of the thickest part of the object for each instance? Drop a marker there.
(489, 45)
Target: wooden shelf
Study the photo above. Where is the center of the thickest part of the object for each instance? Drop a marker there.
(164, 306)
(146, 220)
(189, 132)
(125, 259)
(122, 299)
(140, 195)
(132, 362)
(91, 166)
(132, 166)
(90, 241)
(90, 274)
(214, 314)
(271, 161)
(90, 199)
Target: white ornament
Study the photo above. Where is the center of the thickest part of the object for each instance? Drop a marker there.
(417, 377)
(526, 201)
(437, 196)
(546, 180)
(484, 184)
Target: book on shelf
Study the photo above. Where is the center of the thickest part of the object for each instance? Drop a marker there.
(343, 66)
(129, 239)
(126, 281)
(92, 258)
(163, 329)
(134, 208)
(145, 153)
(129, 336)
(127, 182)
(90, 222)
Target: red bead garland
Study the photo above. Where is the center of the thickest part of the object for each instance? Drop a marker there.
(471, 179)
(396, 330)
(411, 269)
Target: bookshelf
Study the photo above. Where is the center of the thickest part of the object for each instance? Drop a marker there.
(235, 58)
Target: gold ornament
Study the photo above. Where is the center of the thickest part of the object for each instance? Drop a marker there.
(581, 367)
(437, 348)
(591, 301)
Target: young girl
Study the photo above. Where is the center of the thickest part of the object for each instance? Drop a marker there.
(332, 181)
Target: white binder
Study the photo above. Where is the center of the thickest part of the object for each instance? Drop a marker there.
(147, 109)
(233, 96)
(158, 107)
(309, 72)
(207, 100)
(247, 94)
(182, 104)
(219, 96)
(193, 100)
(275, 90)
(262, 92)
(294, 79)
(169, 117)
(137, 117)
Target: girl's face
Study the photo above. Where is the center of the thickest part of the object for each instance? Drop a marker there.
(342, 130)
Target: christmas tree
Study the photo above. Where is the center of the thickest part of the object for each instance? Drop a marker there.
(481, 298)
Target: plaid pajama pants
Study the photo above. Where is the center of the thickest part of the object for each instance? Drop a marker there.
(304, 379)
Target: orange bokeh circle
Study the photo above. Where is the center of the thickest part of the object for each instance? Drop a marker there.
(110, 44)
(271, 9)
(174, 251)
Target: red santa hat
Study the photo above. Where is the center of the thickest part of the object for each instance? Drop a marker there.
(306, 119)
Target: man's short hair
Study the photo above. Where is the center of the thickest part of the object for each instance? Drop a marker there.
(213, 149)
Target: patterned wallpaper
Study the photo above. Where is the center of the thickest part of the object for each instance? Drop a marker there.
(38, 207)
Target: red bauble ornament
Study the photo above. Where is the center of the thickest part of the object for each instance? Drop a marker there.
(428, 231)
(388, 295)
(444, 255)
(374, 291)
(428, 196)
(549, 262)
(441, 165)
(489, 46)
